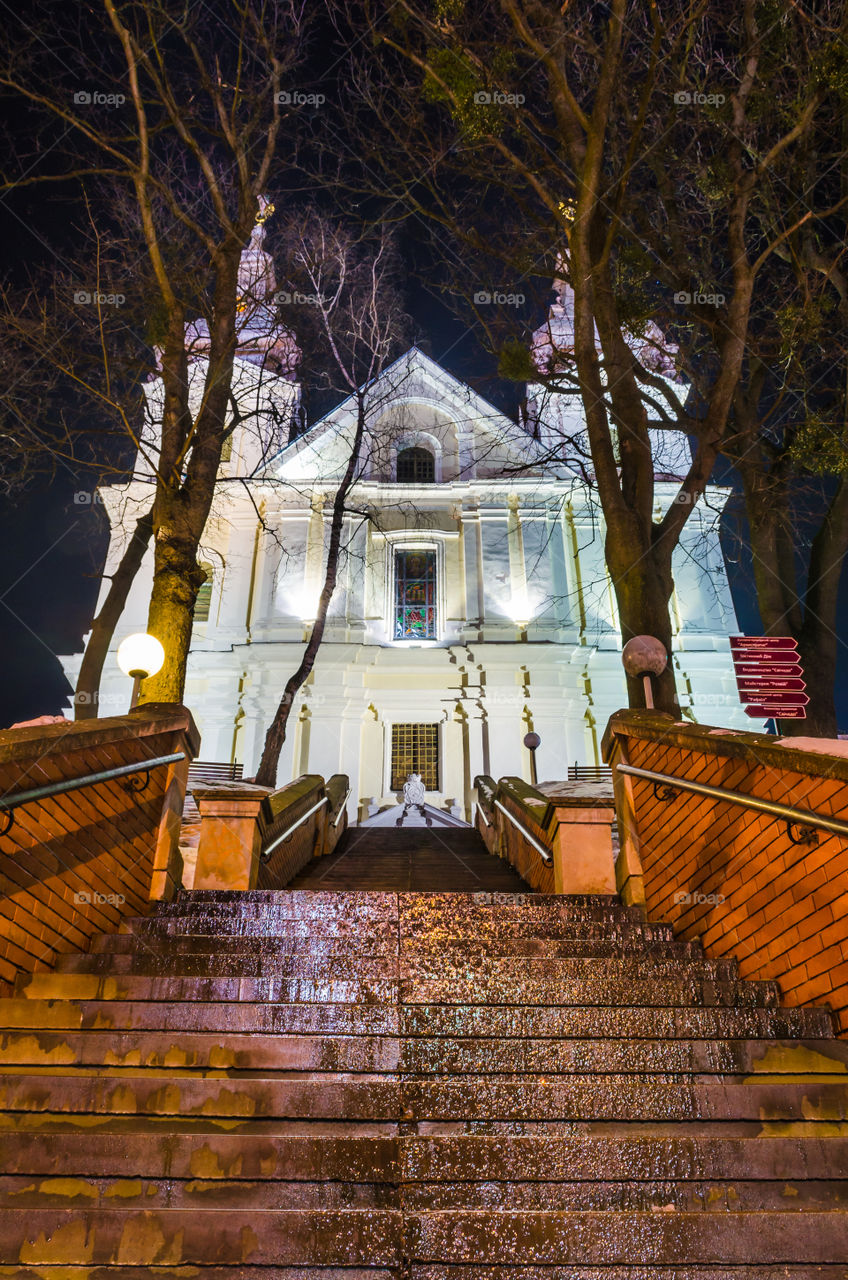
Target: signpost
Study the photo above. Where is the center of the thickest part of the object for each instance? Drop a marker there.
(769, 677)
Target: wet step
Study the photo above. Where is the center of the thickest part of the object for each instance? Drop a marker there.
(448, 968)
(357, 1156)
(422, 1055)
(374, 1237)
(589, 1097)
(204, 1194)
(714, 1022)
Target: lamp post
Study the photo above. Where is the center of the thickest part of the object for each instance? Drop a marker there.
(140, 656)
(531, 742)
(642, 657)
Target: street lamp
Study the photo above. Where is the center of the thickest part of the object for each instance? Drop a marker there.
(140, 656)
(531, 742)
(642, 657)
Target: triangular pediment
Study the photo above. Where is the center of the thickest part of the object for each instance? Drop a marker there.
(413, 402)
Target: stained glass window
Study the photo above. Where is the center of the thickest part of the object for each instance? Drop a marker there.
(415, 749)
(416, 465)
(415, 595)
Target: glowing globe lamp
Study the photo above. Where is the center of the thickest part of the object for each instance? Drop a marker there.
(140, 656)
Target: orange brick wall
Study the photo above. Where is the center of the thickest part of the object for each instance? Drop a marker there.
(733, 877)
(75, 864)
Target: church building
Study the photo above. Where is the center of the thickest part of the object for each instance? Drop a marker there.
(472, 606)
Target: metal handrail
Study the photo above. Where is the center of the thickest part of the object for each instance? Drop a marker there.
(801, 817)
(546, 857)
(8, 803)
(266, 853)
(482, 814)
(342, 808)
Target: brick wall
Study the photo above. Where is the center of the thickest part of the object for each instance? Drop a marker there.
(76, 864)
(732, 877)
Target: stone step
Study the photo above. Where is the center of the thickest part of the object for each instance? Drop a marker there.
(359, 1237)
(385, 944)
(434, 1271)
(254, 1153)
(588, 993)
(303, 1095)
(369, 1237)
(513, 969)
(423, 1055)
(715, 1022)
(652, 1195)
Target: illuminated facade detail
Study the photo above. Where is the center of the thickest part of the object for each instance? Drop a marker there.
(415, 749)
(471, 604)
(415, 595)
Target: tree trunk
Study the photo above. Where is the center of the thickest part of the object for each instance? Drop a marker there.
(177, 578)
(86, 697)
(642, 591)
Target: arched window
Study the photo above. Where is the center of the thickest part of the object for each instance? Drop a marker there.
(416, 465)
(204, 596)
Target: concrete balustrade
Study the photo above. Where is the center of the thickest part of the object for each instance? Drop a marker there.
(571, 821)
(76, 863)
(747, 884)
(254, 837)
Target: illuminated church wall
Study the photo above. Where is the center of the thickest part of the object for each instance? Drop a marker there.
(525, 626)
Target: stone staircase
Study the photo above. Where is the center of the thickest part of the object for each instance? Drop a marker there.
(375, 1086)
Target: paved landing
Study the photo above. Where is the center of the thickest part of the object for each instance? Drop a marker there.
(409, 860)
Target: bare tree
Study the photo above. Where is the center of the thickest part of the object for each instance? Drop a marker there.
(555, 113)
(352, 327)
(173, 124)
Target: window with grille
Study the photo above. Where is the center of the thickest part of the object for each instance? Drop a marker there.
(415, 749)
(415, 595)
(204, 596)
(416, 465)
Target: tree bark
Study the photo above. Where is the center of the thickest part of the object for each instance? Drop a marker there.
(86, 697)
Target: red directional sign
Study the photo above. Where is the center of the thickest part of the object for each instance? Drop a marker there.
(769, 676)
(752, 684)
(763, 642)
(784, 713)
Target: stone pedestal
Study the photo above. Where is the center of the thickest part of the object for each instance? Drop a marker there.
(230, 835)
(581, 827)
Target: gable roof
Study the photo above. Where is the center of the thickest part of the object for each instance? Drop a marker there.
(413, 379)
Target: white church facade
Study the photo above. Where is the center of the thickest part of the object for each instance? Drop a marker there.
(472, 605)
